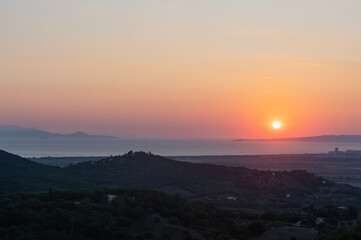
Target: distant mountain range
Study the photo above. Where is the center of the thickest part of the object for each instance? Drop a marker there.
(21, 132)
(322, 138)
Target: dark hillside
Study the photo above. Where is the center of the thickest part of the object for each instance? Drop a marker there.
(247, 187)
(20, 174)
(226, 186)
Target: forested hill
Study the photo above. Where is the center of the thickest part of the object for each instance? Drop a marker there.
(140, 169)
(231, 186)
(19, 174)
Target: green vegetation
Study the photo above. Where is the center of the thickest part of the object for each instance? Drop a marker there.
(118, 214)
(19, 174)
(342, 234)
(149, 214)
(226, 186)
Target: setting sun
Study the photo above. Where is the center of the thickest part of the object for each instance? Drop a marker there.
(276, 125)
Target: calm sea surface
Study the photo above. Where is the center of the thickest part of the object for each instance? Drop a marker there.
(106, 147)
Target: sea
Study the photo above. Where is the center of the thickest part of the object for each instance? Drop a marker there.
(27, 147)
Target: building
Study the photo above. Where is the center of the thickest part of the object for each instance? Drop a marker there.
(232, 198)
(111, 197)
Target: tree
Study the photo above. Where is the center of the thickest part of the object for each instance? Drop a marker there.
(256, 228)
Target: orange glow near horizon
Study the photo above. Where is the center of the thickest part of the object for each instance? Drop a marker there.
(165, 70)
(186, 109)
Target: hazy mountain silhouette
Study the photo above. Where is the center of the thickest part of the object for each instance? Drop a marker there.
(322, 138)
(21, 132)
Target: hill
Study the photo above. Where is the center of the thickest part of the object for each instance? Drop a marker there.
(322, 138)
(20, 132)
(18, 174)
(236, 187)
(230, 186)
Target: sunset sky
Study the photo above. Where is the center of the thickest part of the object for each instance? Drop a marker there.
(182, 69)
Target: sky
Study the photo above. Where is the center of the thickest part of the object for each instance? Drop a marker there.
(196, 69)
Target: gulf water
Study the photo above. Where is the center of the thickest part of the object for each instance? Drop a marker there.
(104, 147)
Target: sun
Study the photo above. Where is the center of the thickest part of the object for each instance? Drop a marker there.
(276, 125)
